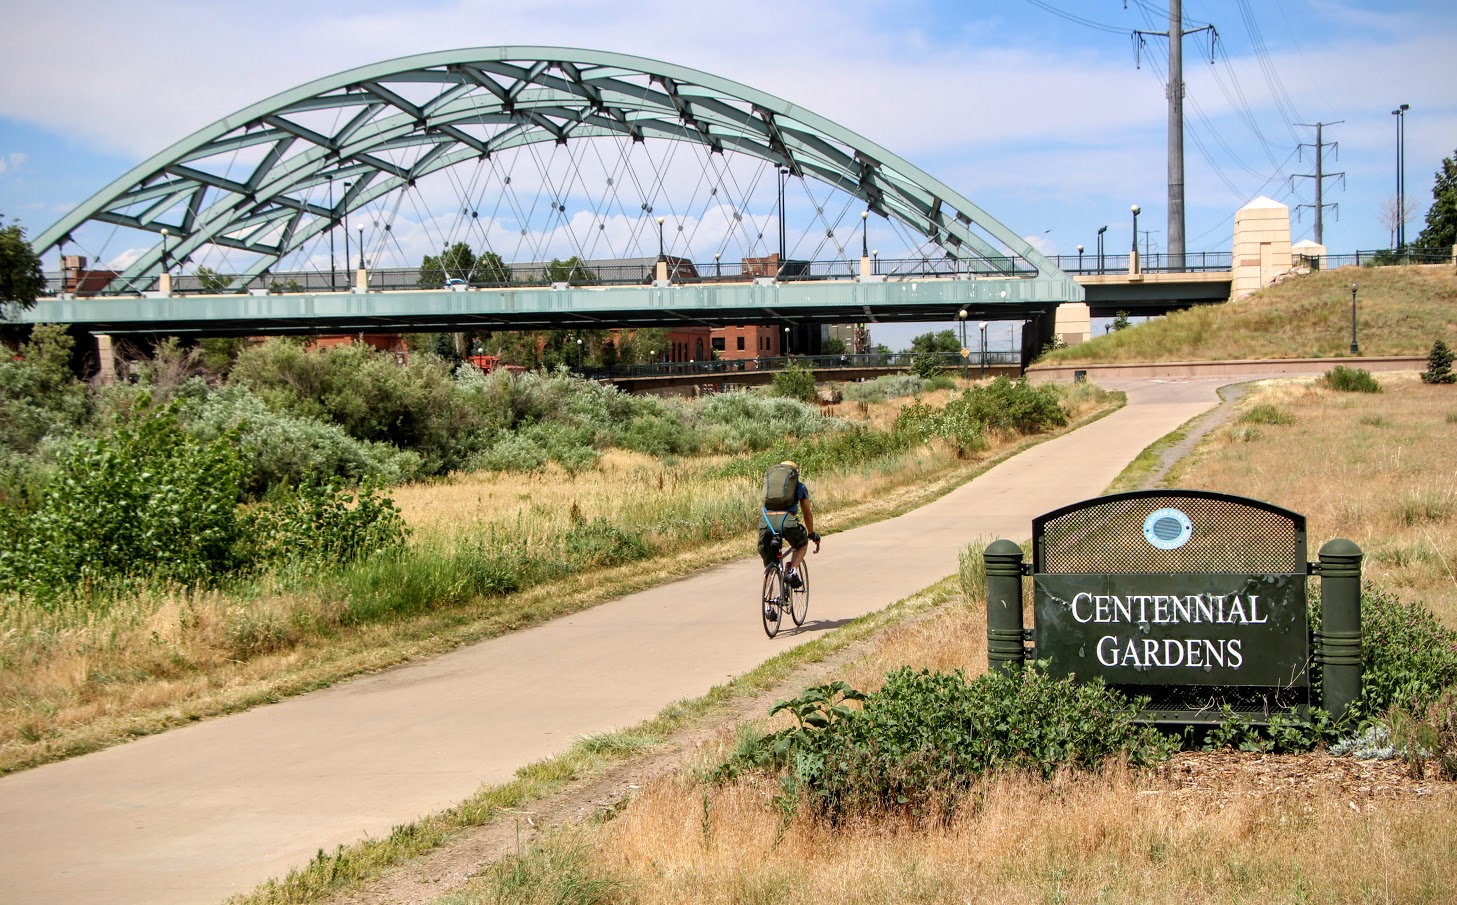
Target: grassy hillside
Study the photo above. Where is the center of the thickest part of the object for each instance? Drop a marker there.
(1399, 311)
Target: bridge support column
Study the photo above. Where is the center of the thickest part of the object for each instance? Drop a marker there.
(660, 272)
(105, 358)
(1074, 323)
(164, 284)
(361, 280)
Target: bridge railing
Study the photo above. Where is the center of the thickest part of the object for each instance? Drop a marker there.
(1194, 262)
(947, 361)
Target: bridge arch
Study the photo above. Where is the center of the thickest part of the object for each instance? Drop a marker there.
(381, 127)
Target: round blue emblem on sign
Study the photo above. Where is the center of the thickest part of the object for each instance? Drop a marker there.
(1168, 529)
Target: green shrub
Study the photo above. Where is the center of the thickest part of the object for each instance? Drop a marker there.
(919, 744)
(889, 386)
(149, 503)
(794, 382)
(38, 395)
(281, 450)
(1408, 658)
(1265, 413)
(319, 525)
(1351, 380)
(747, 422)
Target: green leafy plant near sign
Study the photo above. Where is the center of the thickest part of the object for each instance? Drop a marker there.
(1351, 380)
(917, 746)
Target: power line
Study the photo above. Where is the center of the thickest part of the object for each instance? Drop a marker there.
(1078, 20)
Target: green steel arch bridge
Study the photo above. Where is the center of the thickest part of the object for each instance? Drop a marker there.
(622, 171)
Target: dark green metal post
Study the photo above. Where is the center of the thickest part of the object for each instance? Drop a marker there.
(1004, 606)
(1340, 630)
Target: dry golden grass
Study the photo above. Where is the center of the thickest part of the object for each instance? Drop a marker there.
(1123, 836)
(1375, 468)
(1400, 311)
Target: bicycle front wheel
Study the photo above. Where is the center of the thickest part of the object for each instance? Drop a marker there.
(799, 597)
(769, 604)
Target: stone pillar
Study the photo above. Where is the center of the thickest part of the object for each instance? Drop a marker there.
(164, 284)
(1074, 323)
(1261, 245)
(865, 267)
(361, 280)
(660, 271)
(106, 358)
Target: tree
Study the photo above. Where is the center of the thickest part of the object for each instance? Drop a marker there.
(1440, 233)
(456, 262)
(1121, 322)
(569, 271)
(1439, 365)
(943, 342)
(21, 279)
(212, 281)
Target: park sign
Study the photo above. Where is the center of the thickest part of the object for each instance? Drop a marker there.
(1196, 600)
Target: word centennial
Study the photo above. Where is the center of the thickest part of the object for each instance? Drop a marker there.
(1169, 609)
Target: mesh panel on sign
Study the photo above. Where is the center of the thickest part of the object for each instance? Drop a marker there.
(1116, 534)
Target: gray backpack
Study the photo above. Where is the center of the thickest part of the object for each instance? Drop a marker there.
(780, 485)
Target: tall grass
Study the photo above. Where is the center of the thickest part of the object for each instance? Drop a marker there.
(1401, 310)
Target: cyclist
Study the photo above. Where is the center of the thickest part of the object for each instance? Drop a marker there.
(784, 521)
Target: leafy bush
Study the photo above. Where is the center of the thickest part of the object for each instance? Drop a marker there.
(919, 744)
(319, 525)
(1429, 733)
(283, 450)
(746, 422)
(38, 395)
(150, 502)
(889, 386)
(1408, 658)
(794, 382)
(1351, 380)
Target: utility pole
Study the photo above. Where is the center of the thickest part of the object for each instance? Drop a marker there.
(1320, 176)
(1175, 92)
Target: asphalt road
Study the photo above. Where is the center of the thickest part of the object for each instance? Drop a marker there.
(201, 813)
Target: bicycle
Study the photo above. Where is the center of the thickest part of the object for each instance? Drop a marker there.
(778, 596)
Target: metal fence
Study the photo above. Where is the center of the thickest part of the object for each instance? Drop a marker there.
(947, 361)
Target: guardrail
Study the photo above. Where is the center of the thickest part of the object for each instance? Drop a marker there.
(948, 361)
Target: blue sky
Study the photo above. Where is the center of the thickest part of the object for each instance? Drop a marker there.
(1050, 124)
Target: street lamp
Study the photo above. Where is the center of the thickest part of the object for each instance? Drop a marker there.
(333, 269)
(961, 322)
(1080, 258)
(875, 260)
(983, 348)
(864, 233)
(1101, 230)
(786, 342)
(717, 271)
(1400, 114)
(661, 257)
(579, 355)
(783, 172)
(1355, 349)
(164, 249)
(346, 230)
(1133, 255)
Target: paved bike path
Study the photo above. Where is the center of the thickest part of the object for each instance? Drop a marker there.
(200, 813)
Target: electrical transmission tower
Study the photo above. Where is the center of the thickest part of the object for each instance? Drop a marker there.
(1175, 91)
(1320, 176)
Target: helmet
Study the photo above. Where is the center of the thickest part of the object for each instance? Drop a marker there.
(790, 464)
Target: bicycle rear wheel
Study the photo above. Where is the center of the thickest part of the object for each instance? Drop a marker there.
(799, 597)
(769, 603)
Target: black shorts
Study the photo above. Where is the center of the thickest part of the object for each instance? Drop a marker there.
(787, 525)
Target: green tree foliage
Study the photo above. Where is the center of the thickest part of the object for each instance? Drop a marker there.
(1440, 233)
(38, 394)
(460, 262)
(1121, 322)
(219, 352)
(1439, 365)
(21, 278)
(572, 270)
(279, 288)
(944, 342)
(212, 281)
